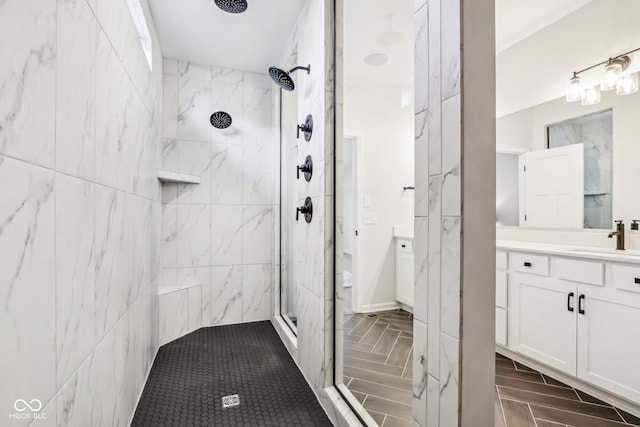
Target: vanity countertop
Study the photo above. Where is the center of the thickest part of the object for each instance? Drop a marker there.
(400, 232)
(588, 252)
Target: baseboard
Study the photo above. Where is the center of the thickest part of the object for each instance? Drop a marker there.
(384, 306)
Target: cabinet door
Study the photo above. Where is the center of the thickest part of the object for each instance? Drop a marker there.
(609, 341)
(544, 328)
(404, 278)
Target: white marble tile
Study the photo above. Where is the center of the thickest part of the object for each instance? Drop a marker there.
(258, 175)
(114, 98)
(193, 70)
(226, 75)
(169, 240)
(257, 114)
(76, 89)
(449, 360)
(169, 159)
(451, 157)
(450, 48)
(435, 90)
(256, 292)
(170, 106)
(433, 269)
(227, 96)
(27, 268)
(226, 177)
(75, 274)
(75, 400)
(174, 315)
(450, 278)
(27, 92)
(226, 235)
(170, 66)
(418, 4)
(258, 80)
(257, 234)
(113, 262)
(226, 295)
(421, 59)
(195, 158)
(421, 164)
(195, 308)
(433, 402)
(194, 109)
(421, 297)
(194, 236)
(419, 401)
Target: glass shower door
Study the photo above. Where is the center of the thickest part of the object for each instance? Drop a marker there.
(288, 204)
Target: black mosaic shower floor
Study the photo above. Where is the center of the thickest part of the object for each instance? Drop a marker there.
(192, 374)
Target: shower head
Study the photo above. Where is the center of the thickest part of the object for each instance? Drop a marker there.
(283, 78)
(232, 6)
(220, 120)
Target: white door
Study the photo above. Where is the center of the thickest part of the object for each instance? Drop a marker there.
(544, 325)
(552, 187)
(609, 341)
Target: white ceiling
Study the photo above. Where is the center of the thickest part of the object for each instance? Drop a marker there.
(518, 19)
(538, 68)
(198, 31)
(364, 21)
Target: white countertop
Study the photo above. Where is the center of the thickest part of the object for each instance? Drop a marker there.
(604, 254)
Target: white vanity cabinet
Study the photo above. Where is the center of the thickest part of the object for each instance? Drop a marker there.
(577, 316)
(404, 271)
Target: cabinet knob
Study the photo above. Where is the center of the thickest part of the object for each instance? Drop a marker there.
(404, 246)
(527, 264)
(637, 280)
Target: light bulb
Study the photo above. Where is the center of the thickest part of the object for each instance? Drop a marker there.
(611, 75)
(627, 84)
(591, 96)
(574, 90)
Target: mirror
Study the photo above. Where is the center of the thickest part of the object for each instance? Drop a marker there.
(533, 116)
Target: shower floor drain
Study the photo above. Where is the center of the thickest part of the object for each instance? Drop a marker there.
(229, 401)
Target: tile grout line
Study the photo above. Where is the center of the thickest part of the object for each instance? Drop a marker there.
(532, 417)
(395, 342)
(563, 410)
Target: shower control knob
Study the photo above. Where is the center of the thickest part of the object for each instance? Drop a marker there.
(306, 168)
(306, 210)
(306, 128)
(634, 224)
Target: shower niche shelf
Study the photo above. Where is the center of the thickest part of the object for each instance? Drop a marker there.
(177, 178)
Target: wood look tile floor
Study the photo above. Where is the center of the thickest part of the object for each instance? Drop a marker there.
(527, 398)
(377, 362)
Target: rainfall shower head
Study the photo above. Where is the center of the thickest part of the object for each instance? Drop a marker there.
(220, 120)
(283, 78)
(232, 6)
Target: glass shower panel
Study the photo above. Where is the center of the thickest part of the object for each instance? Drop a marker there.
(288, 203)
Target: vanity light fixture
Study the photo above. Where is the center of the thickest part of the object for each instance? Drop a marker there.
(612, 78)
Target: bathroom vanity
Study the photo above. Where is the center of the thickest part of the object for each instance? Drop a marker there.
(573, 312)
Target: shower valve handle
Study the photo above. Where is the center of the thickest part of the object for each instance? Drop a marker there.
(306, 168)
(306, 128)
(306, 210)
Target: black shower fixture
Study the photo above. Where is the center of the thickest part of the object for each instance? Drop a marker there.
(306, 210)
(306, 168)
(220, 120)
(283, 79)
(232, 6)
(306, 128)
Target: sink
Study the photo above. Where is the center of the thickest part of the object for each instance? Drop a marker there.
(605, 251)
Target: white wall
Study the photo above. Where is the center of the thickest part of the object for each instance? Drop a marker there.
(527, 130)
(80, 213)
(384, 129)
(219, 232)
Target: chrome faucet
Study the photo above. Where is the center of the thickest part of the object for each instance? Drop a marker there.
(619, 233)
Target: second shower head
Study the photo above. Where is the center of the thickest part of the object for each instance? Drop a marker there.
(283, 78)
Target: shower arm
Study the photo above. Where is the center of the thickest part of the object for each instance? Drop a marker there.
(307, 69)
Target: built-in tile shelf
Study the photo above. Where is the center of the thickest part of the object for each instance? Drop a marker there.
(177, 178)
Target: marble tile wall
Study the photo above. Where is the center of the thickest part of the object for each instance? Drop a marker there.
(80, 212)
(220, 232)
(445, 286)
